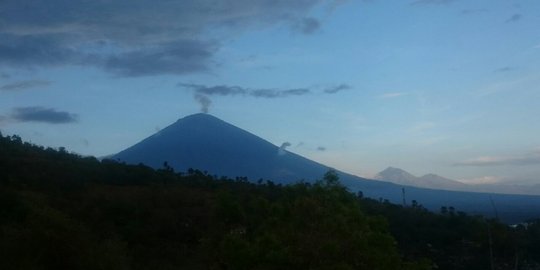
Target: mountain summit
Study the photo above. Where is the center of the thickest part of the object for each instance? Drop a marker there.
(204, 142)
(397, 175)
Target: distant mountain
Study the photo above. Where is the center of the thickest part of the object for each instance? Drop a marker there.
(401, 177)
(438, 182)
(433, 181)
(397, 176)
(204, 142)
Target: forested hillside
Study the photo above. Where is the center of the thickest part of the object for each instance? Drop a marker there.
(62, 211)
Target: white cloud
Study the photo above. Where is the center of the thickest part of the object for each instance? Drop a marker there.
(519, 84)
(532, 158)
(22, 85)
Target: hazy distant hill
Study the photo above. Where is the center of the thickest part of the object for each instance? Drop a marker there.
(433, 181)
(204, 142)
(399, 176)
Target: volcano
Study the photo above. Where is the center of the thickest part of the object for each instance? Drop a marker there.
(206, 143)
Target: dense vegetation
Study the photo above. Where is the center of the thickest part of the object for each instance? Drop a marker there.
(62, 211)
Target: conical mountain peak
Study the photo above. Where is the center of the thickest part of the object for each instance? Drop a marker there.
(205, 142)
(393, 170)
(397, 176)
(199, 117)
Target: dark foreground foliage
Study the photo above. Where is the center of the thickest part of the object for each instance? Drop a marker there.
(62, 211)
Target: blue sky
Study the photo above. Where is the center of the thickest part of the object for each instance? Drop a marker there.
(443, 86)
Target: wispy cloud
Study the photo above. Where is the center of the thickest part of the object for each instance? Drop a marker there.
(307, 25)
(431, 2)
(473, 11)
(43, 115)
(514, 18)
(273, 93)
(225, 90)
(137, 39)
(22, 85)
(527, 159)
(219, 90)
(507, 85)
(283, 147)
(505, 69)
(392, 95)
(421, 127)
(202, 93)
(336, 89)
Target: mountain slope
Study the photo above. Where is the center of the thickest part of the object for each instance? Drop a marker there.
(401, 177)
(204, 142)
(439, 182)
